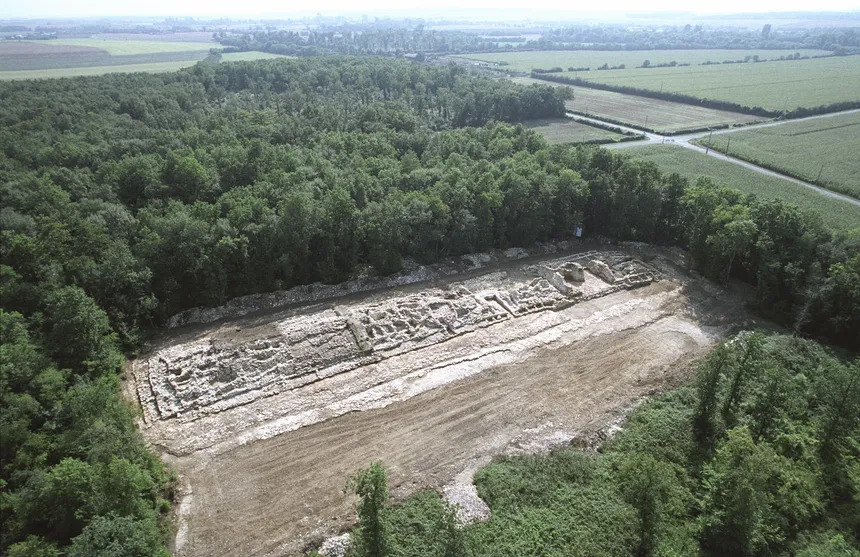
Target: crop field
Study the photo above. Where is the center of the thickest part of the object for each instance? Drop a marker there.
(182, 36)
(113, 66)
(82, 53)
(250, 56)
(654, 114)
(546, 59)
(119, 47)
(830, 149)
(96, 70)
(564, 130)
(771, 85)
(837, 215)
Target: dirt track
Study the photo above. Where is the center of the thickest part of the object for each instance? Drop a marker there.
(531, 382)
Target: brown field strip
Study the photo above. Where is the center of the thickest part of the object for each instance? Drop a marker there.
(644, 112)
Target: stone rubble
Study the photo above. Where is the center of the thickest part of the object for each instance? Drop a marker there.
(208, 375)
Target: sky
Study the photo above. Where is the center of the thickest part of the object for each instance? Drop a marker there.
(534, 9)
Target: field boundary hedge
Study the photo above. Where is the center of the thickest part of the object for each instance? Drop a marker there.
(800, 112)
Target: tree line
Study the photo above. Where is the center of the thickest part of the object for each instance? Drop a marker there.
(393, 38)
(127, 198)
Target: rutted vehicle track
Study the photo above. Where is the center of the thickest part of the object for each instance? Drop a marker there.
(266, 417)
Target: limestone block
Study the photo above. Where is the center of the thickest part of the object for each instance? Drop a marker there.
(601, 270)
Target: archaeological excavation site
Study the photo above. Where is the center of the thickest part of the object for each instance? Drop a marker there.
(265, 406)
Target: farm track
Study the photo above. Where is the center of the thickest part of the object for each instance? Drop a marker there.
(686, 142)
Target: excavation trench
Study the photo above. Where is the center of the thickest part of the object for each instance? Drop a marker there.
(266, 417)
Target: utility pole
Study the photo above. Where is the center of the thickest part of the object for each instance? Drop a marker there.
(708, 148)
(819, 173)
(729, 144)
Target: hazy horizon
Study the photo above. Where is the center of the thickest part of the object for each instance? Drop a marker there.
(477, 9)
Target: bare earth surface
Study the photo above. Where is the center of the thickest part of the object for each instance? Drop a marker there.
(266, 417)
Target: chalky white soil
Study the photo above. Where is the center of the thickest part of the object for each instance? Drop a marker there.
(265, 417)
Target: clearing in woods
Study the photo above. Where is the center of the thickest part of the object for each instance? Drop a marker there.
(653, 114)
(265, 417)
(837, 215)
(825, 151)
(564, 130)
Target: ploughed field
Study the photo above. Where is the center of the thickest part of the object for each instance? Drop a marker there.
(95, 56)
(80, 53)
(265, 417)
(643, 112)
(564, 130)
(824, 151)
(838, 215)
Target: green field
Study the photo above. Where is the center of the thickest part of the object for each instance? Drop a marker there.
(824, 151)
(771, 85)
(643, 112)
(565, 130)
(546, 59)
(150, 67)
(118, 47)
(250, 56)
(838, 215)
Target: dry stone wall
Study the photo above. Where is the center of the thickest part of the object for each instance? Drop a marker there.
(207, 375)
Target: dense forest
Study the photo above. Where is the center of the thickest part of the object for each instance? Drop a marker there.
(699, 36)
(394, 39)
(365, 41)
(759, 456)
(127, 198)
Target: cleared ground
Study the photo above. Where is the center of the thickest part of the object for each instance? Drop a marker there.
(837, 215)
(565, 130)
(824, 151)
(771, 85)
(547, 59)
(660, 116)
(263, 466)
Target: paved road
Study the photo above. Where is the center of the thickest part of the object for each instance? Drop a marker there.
(686, 142)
